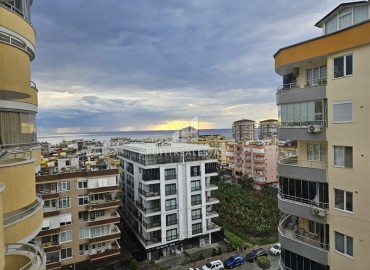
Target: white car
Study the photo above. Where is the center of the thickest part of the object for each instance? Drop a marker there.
(276, 249)
(192, 269)
(214, 265)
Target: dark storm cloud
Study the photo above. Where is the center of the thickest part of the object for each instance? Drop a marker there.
(163, 60)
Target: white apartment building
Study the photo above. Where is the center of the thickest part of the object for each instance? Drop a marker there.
(167, 195)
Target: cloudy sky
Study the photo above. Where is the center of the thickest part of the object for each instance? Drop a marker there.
(154, 64)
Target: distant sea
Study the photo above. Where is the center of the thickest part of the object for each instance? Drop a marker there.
(106, 136)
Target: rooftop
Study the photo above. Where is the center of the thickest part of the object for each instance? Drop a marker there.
(168, 147)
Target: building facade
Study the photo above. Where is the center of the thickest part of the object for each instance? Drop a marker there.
(323, 108)
(167, 195)
(256, 159)
(243, 130)
(268, 129)
(20, 207)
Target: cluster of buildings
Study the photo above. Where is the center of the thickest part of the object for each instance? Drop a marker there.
(64, 207)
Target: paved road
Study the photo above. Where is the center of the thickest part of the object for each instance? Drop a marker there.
(245, 266)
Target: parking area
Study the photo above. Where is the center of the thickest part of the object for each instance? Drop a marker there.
(245, 266)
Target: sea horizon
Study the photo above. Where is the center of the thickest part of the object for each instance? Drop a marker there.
(55, 138)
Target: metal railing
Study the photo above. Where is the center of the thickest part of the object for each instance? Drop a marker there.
(302, 84)
(299, 235)
(294, 161)
(15, 10)
(149, 193)
(212, 226)
(301, 200)
(11, 151)
(211, 199)
(33, 85)
(38, 256)
(211, 213)
(12, 218)
(151, 224)
(307, 123)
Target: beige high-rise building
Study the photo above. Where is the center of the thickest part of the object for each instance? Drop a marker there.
(243, 130)
(20, 208)
(324, 105)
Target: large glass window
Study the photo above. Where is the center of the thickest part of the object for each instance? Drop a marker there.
(66, 236)
(344, 243)
(171, 204)
(343, 156)
(343, 66)
(171, 234)
(195, 185)
(171, 219)
(316, 75)
(195, 170)
(316, 152)
(170, 189)
(196, 214)
(196, 228)
(302, 113)
(169, 174)
(196, 199)
(16, 127)
(65, 202)
(66, 253)
(343, 200)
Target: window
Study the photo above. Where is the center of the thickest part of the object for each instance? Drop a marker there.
(316, 75)
(343, 66)
(343, 200)
(65, 202)
(171, 234)
(100, 213)
(303, 113)
(84, 232)
(196, 214)
(171, 219)
(66, 253)
(342, 112)
(171, 204)
(314, 227)
(195, 170)
(195, 185)
(83, 199)
(65, 219)
(170, 189)
(196, 228)
(84, 249)
(345, 18)
(196, 199)
(82, 184)
(343, 243)
(66, 236)
(169, 174)
(316, 152)
(343, 156)
(64, 186)
(99, 231)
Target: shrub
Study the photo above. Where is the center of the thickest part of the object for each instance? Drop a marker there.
(264, 263)
(219, 251)
(214, 252)
(201, 256)
(133, 265)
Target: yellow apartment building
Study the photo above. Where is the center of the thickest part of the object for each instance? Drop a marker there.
(324, 107)
(20, 207)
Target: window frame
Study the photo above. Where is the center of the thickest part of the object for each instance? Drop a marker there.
(66, 249)
(344, 209)
(69, 233)
(340, 103)
(170, 205)
(344, 157)
(345, 243)
(83, 184)
(344, 66)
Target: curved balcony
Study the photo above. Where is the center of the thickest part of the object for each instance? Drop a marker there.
(212, 200)
(309, 170)
(24, 222)
(211, 227)
(25, 256)
(303, 243)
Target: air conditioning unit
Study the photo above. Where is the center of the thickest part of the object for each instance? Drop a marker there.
(319, 212)
(314, 128)
(295, 72)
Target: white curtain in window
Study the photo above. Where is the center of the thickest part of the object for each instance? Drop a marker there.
(338, 156)
(345, 21)
(361, 14)
(331, 25)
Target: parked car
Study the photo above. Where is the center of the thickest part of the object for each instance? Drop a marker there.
(254, 254)
(214, 265)
(234, 260)
(276, 249)
(192, 269)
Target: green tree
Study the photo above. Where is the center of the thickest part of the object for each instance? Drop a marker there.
(245, 181)
(264, 263)
(133, 265)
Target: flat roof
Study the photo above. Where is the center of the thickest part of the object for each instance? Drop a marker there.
(149, 148)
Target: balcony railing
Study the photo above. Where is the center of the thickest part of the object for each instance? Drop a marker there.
(307, 123)
(33, 251)
(197, 231)
(212, 226)
(170, 176)
(298, 234)
(294, 161)
(112, 251)
(151, 225)
(113, 218)
(30, 209)
(212, 200)
(149, 194)
(171, 222)
(148, 209)
(172, 237)
(302, 84)
(171, 192)
(211, 214)
(211, 186)
(303, 201)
